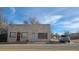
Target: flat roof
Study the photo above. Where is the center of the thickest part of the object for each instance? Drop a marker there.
(29, 24)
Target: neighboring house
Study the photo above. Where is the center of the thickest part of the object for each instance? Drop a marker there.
(74, 36)
(31, 32)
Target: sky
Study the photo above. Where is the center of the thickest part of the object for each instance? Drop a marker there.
(61, 19)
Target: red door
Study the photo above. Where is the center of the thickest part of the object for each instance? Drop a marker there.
(18, 36)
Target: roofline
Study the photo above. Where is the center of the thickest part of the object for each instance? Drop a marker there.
(24, 24)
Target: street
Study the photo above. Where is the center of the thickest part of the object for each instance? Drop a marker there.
(40, 47)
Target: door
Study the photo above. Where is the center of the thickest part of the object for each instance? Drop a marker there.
(34, 37)
(18, 36)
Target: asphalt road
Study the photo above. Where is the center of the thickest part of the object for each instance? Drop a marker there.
(40, 47)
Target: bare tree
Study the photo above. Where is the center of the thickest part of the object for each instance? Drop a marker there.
(57, 35)
(26, 22)
(3, 19)
(33, 20)
(67, 33)
(11, 23)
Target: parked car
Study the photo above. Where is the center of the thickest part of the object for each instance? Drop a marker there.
(64, 39)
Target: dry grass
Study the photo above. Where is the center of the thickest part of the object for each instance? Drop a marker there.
(75, 40)
(39, 47)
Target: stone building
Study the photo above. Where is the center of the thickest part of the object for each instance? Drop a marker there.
(30, 32)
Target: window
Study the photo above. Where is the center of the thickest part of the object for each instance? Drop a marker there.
(13, 34)
(24, 35)
(42, 36)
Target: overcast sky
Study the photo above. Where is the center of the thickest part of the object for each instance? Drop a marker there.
(60, 19)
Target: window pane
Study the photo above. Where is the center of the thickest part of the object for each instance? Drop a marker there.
(13, 34)
(42, 36)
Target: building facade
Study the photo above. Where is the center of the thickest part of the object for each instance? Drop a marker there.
(30, 32)
(74, 36)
